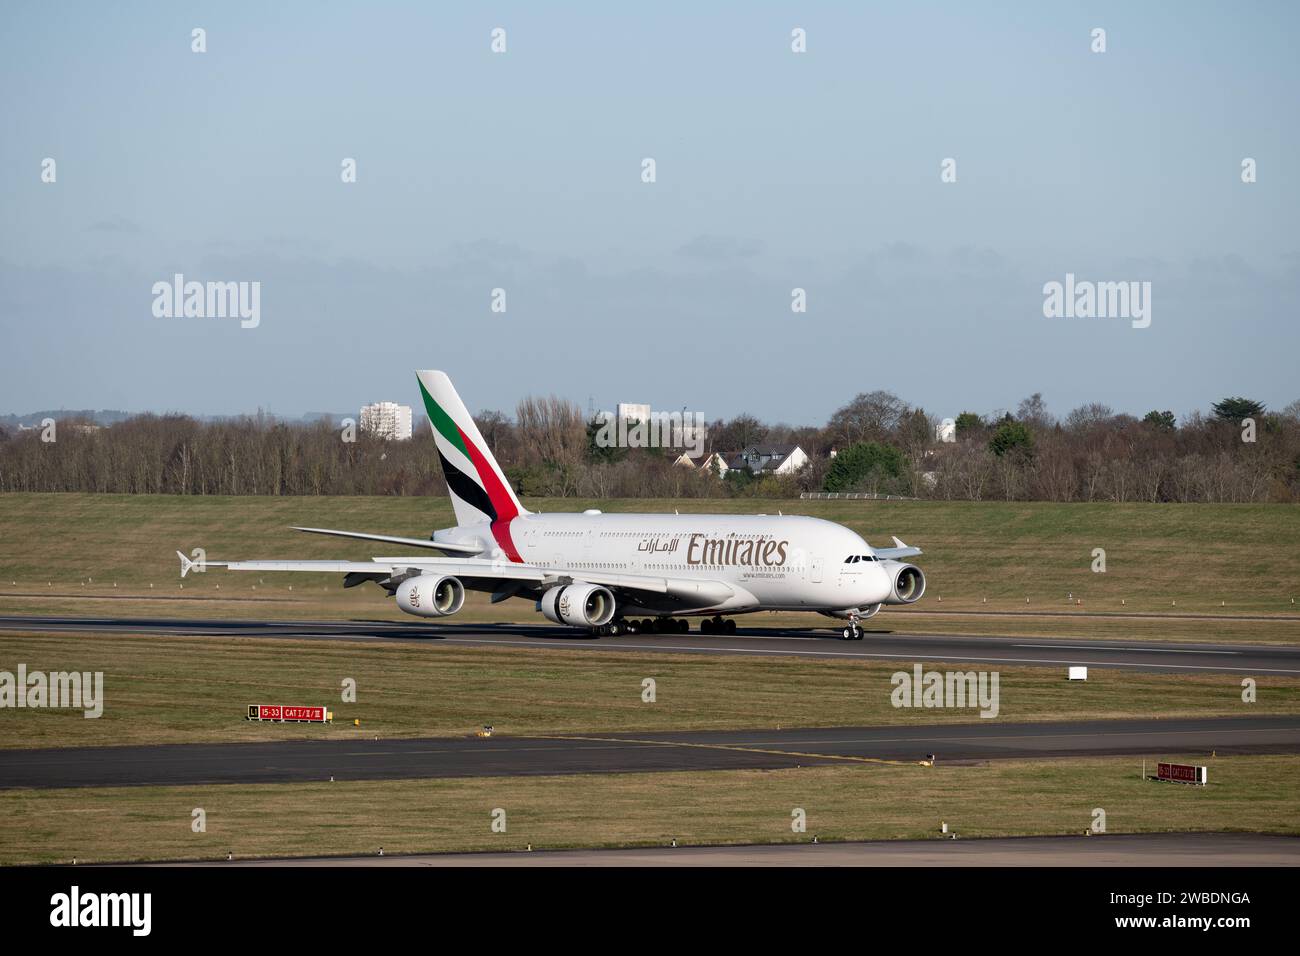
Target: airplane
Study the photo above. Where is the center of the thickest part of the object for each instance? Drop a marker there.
(613, 574)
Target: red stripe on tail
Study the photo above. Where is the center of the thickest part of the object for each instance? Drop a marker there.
(502, 501)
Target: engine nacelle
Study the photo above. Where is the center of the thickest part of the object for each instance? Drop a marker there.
(578, 605)
(906, 582)
(429, 595)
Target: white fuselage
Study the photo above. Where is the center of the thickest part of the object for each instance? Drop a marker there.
(769, 562)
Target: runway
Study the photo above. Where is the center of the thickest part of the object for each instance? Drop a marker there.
(1162, 849)
(1157, 657)
(414, 758)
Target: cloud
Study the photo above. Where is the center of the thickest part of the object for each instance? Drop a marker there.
(115, 224)
(720, 248)
(944, 328)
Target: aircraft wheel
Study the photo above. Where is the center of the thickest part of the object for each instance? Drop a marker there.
(706, 626)
(846, 635)
(683, 626)
(730, 626)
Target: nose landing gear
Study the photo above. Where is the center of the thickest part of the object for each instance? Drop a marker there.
(853, 632)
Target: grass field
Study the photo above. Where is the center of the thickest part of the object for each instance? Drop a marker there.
(1257, 794)
(92, 555)
(1247, 555)
(113, 555)
(162, 690)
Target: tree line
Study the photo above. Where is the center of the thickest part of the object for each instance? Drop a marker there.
(1237, 452)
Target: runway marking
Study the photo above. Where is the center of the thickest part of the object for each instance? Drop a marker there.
(851, 654)
(1136, 615)
(957, 738)
(393, 631)
(737, 748)
(483, 752)
(1124, 647)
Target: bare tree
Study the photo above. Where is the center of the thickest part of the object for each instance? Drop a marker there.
(1088, 416)
(1033, 412)
(556, 431)
(871, 416)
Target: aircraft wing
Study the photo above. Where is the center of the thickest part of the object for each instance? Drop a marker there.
(461, 567)
(409, 542)
(702, 593)
(899, 550)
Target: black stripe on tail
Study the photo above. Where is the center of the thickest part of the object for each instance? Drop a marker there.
(466, 488)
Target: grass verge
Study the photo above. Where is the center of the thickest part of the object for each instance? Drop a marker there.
(1246, 793)
(195, 689)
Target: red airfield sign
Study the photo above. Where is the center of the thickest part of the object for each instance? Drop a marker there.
(1181, 773)
(288, 713)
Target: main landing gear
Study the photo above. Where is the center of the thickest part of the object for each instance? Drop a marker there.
(718, 625)
(852, 632)
(663, 625)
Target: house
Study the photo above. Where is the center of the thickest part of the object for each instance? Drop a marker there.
(769, 459)
(709, 461)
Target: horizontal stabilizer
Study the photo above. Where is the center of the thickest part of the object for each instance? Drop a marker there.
(188, 564)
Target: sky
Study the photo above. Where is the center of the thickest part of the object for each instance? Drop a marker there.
(523, 171)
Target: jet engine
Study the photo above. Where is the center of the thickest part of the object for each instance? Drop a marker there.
(578, 605)
(428, 595)
(907, 583)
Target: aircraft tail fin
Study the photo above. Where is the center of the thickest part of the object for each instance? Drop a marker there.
(478, 488)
